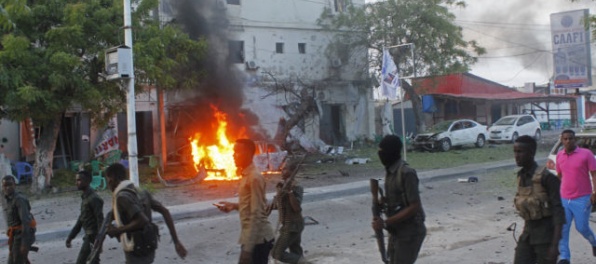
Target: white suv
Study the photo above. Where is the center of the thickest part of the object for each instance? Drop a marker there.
(509, 128)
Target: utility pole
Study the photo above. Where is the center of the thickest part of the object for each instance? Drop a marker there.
(133, 163)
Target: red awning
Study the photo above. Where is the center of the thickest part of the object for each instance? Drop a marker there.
(512, 95)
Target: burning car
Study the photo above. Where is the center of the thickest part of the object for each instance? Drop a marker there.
(444, 135)
(270, 159)
(213, 152)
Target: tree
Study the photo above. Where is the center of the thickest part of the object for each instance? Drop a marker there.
(52, 57)
(428, 24)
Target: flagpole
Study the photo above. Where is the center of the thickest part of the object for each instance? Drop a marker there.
(401, 96)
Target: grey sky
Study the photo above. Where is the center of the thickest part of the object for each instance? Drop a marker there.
(516, 34)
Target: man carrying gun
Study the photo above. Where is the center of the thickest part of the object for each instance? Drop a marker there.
(288, 202)
(131, 211)
(89, 220)
(405, 216)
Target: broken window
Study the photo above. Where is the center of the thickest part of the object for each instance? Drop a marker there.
(279, 47)
(236, 49)
(302, 48)
(233, 2)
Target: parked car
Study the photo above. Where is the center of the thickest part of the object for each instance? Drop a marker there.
(590, 122)
(509, 128)
(584, 139)
(444, 135)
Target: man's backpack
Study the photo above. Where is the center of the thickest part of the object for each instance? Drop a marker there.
(145, 240)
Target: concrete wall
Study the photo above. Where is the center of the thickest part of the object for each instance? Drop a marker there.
(10, 139)
(260, 24)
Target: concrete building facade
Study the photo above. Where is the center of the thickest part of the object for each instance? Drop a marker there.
(275, 41)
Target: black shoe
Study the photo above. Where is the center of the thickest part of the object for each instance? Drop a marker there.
(563, 261)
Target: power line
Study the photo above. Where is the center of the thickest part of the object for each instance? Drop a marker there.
(509, 26)
(508, 56)
(524, 68)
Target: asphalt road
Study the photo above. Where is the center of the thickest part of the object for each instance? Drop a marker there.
(466, 224)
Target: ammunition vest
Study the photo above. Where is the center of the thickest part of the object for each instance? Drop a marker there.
(532, 201)
(395, 198)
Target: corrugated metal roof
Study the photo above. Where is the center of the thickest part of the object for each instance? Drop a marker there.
(512, 95)
(469, 86)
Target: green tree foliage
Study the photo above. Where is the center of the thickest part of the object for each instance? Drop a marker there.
(8, 8)
(52, 57)
(591, 22)
(428, 24)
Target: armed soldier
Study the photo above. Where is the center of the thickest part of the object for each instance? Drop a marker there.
(288, 202)
(20, 222)
(405, 216)
(538, 202)
(131, 210)
(90, 218)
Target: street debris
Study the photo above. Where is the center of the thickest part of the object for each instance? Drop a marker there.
(308, 220)
(353, 161)
(469, 179)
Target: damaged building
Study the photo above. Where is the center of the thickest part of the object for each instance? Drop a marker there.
(271, 70)
(290, 79)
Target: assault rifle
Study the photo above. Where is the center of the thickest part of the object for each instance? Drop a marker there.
(285, 188)
(101, 236)
(377, 209)
(288, 183)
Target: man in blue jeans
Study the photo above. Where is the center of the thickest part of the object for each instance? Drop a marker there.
(574, 167)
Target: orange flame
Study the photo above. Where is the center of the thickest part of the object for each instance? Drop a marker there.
(217, 159)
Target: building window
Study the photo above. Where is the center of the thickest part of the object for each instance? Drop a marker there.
(340, 5)
(236, 49)
(301, 48)
(233, 2)
(279, 47)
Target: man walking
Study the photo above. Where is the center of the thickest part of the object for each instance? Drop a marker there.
(256, 236)
(574, 167)
(538, 202)
(132, 213)
(405, 216)
(89, 220)
(289, 204)
(20, 222)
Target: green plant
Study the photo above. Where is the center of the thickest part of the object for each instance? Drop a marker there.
(63, 178)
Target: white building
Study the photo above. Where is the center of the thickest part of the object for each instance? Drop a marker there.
(273, 41)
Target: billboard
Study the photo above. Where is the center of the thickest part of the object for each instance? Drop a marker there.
(571, 49)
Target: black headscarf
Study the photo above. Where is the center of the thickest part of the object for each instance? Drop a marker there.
(390, 150)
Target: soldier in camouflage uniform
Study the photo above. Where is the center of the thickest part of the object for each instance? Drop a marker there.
(288, 203)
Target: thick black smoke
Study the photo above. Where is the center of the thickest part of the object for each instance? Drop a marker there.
(223, 86)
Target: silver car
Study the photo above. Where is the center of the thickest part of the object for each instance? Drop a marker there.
(509, 128)
(444, 135)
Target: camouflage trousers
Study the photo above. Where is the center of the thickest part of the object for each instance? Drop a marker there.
(290, 238)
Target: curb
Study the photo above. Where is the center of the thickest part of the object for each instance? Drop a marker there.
(205, 209)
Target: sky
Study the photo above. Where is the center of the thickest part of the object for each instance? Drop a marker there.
(517, 37)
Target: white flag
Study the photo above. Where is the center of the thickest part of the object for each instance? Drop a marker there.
(389, 75)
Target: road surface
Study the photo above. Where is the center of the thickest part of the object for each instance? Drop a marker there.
(466, 223)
